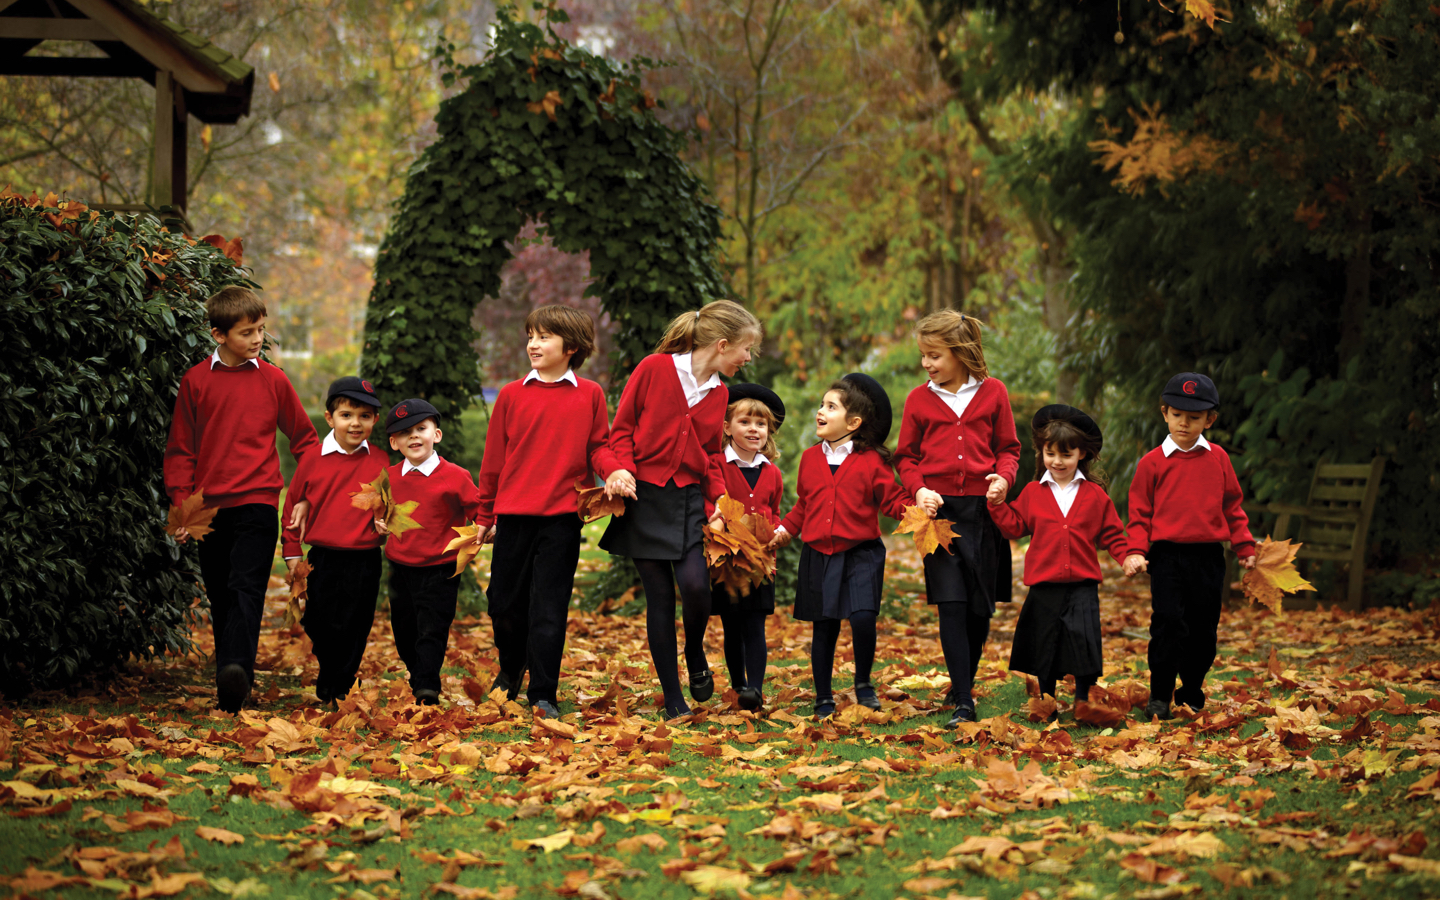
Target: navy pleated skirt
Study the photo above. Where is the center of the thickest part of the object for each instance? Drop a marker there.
(661, 523)
(836, 586)
(1058, 633)
(976, 570)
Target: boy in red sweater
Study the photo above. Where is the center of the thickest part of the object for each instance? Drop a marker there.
(1184, 501)
(344, 577)
(423, 586)
(222, 442)
(546, 431)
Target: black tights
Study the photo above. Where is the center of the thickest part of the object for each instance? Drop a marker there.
(1082, 688)
(658, 577)
(962, 639)
(822, 650)
(745, 650)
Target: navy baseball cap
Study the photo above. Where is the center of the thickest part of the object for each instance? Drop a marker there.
(410, 412)
(352, 388)
(1191, 391)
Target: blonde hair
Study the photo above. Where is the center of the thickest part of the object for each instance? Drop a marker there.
(723, 320)
(749, 406)
(960, 334)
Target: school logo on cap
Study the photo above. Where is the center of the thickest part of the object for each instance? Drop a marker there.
(401, 412)
(367, 387)
(1189, 387)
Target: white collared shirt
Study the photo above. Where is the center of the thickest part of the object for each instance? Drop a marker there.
(331, 444)
(568, 376)
(694, 392)
(1064, 496)
(215, 358)
(959, 399)
(731, 456)
(1169, 446)
(836, 456)
(426, 468)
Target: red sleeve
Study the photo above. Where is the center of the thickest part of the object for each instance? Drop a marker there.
(714, 471)
(776, 496)
(299, 482)
(602, 458)
(1142, 507)
(1013, 519)
(180, 448)
(1241, 541)
(1112, 532)
(493, 462)
(889, 495)
(627, 416)
(908, 449)
(294, 421)
(1003, 441)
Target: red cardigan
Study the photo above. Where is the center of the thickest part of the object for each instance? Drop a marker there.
(763, 498)
(1188, 498)
(543, 436)
(448, 498)
(834, 512)
(327, 482)
(656, 436)
(950, 455)
(1063, 548)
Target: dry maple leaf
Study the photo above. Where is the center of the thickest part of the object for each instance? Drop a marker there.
(1098, 714)
(192, 516)
(736, 552)
(547, 104)
(465, 544)
(593, 504)
(400, 521)
(1040, 709)
(930, 534)
(374, 496)
(298, 579)
(1274, 574)
(219, 835)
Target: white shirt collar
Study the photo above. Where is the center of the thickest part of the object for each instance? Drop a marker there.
(1169, 446)
(331, 444)
(836, 456)
(215, 359)
(694, 392)
(568, 376)
(970, 385)
(1049, 479)
(426, 468)
(732, 456)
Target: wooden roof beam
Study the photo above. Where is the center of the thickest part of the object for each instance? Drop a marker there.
(54, 29)
(160, 52)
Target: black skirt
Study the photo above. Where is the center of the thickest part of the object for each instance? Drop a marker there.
(760, 599)
(1058, 633)
(976, 570)
(836, 586)
(661, 523)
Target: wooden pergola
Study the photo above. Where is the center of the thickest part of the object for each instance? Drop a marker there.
(192, 77)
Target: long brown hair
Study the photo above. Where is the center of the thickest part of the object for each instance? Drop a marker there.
(960, 333)
(723, 320)
(857, 404)
(1064, 437)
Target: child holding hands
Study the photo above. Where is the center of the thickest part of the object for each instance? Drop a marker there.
(844, 483)
(957, 451)
(1067, 511)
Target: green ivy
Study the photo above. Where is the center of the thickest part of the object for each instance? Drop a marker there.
(94, 343)
(597, 169)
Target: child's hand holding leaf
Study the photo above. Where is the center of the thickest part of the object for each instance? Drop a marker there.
(930, 534)
(190, 519)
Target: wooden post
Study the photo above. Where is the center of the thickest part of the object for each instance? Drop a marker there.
(162, 177)
(179, 168)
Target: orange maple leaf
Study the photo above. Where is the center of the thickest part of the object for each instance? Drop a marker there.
(234, 249)
(930, 534)
(374, 496)
(192, 516)
(1274, 574)
(593, 504)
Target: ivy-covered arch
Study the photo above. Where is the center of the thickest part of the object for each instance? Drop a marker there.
(544, 130)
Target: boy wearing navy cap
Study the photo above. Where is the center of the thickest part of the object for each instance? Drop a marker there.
(1184, 502)
(344, 579)
(423, 586)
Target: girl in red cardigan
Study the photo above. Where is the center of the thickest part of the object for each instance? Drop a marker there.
(957, 449)
(667, 428)
(845, 481)
(1068, 511)
(751, 476)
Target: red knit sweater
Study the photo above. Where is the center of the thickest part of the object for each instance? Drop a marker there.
(763, 498)
(1063, 547)
(448, 499)
(222, 438)
(542, 437)
(834, 512)
(327, 482)
(657, 436)
(1188, 498)
(951, 455)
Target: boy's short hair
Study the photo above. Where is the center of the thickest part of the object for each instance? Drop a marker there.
(573, 326)
(334, 402)
(230, 306)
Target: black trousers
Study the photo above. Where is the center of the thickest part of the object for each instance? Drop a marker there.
(339, 610)
(532, 577)
(1185, 585)
(235, 562)
(422, 607)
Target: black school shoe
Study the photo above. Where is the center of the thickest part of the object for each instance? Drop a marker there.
(702, 685)
(824, 707)
(750, 698)
(427, 697)
(504, 682)
(232, 687)
(964, 712)
(865, 695)
(674, 713)
(1158, 709)
(545, 709)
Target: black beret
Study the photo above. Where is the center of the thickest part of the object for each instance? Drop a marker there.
(748, 391)
(410, 412)
(884, 416)
(1069, 414)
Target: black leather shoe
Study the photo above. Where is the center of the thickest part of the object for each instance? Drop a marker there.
(964, 712)
(546, 709)
(504, 682)
(750, 698)
(865, 695)
(824, 707)
(232, 686)
(702, 686)
(1158, 709)
(427, 697)
(674, 713)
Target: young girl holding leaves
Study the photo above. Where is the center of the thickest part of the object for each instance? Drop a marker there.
(751, 478)
(957, 449)
(1068, 511)
(667, 427)
(845, 482)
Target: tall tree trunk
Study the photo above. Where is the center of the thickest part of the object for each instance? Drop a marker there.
(1055, 272)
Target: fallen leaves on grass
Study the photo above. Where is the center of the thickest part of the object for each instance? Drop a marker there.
(219, 835)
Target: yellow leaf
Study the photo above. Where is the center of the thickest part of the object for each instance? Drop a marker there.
(219, 835)
(549, 843)
(1203, 10)
(466, 544)
(709, 879)
(930, 534)
(1274, 574)
(400, 521)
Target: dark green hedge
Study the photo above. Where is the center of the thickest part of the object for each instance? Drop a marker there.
(100, 315)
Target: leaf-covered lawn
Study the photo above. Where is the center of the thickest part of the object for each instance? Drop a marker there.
(1314, 771)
